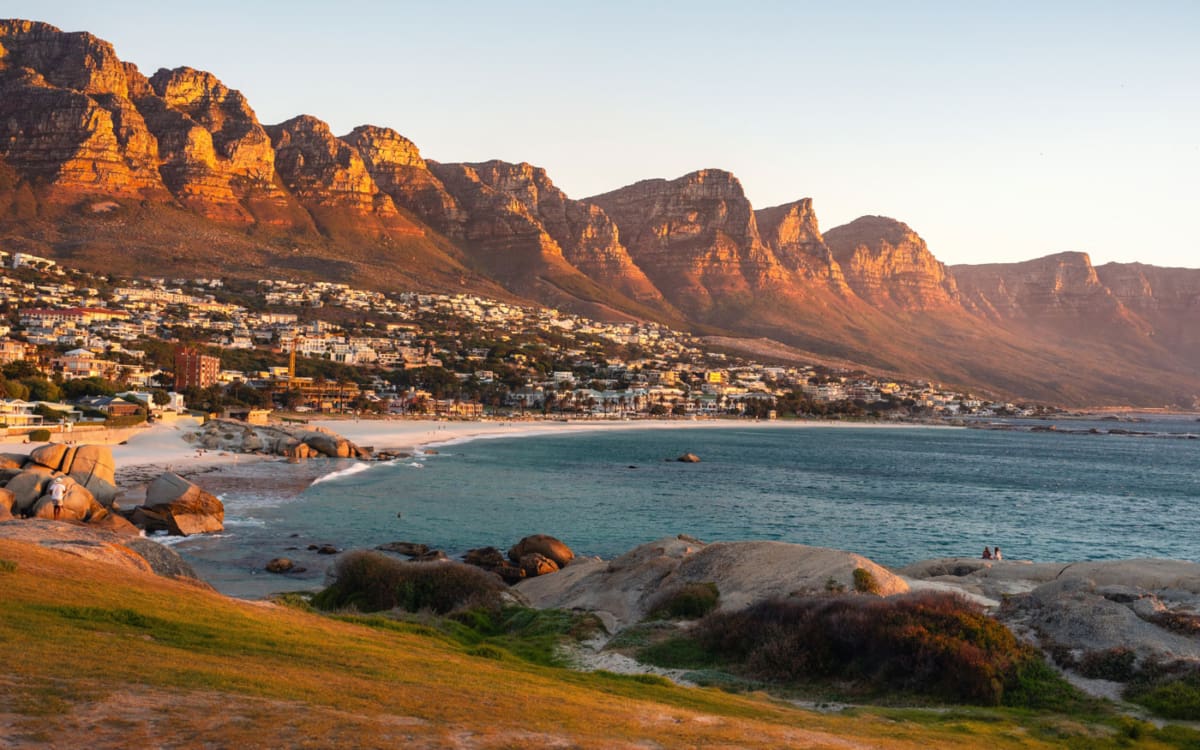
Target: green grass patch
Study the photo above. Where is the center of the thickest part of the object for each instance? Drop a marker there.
(678, 652)
(8, 566)
(1177, 699)
(688, 602)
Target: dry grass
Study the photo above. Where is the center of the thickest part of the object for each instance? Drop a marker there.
(100, 657)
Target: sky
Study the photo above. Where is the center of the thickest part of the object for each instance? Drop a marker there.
(998, 131)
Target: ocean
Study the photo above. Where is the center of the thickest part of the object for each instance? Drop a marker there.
(895, 495)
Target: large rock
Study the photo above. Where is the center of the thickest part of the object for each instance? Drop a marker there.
(624, 589)
(535, 564)
(1077, 614)
(94, 542)
(52, 455)
(329, 445)
(117, 524)
(28, 486)
(8, 500)
(12, 460)
(94, 468)
(542, 544)
(181, 508)
(78, 503)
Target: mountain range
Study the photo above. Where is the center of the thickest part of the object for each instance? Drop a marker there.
(109, 169)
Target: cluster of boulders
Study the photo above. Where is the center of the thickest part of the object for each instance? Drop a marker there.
(297, 441)
(87, 471)
(1147, 608)
(172, 504)
(533, 556)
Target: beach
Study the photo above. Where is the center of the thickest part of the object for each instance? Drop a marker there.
(408, 435)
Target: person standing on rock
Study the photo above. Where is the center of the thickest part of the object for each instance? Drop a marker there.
(996, 555)
(58, 489)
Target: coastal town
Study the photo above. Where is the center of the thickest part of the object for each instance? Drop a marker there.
(80, 346)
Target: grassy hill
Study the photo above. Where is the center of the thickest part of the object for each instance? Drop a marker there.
(96, 655)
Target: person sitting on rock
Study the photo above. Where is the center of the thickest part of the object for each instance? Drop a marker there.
(996, 555)
(57, 490)
(987, 553)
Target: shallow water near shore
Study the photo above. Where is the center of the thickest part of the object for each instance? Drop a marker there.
(894, 495)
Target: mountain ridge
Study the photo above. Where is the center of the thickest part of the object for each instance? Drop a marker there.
(100, 164)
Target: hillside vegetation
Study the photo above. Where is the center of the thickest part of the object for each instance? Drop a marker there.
(101, 657)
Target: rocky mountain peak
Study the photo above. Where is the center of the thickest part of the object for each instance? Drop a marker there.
(76, 60)
(888, 264)
(384, 146)
(696, 239)
(587, 237)
(792, 233)
(66, 121)
(395, 163)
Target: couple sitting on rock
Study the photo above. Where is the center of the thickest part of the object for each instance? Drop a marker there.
(989, 555)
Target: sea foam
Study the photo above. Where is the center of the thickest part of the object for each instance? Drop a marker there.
(342, 474)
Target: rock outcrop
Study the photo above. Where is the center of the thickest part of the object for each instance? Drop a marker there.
(66, 119)
(1082, 610)
(586, 236)
(696, 239)
(1059, 285)
(544, 545)
(293, 441)
(178, 507)
(791, 232)
(102, 545)
(889, 266)
(395, 163)
(624, 590)
(329, 178)
(215, 156)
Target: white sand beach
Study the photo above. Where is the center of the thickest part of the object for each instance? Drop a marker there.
(411, 435)
(142, 453)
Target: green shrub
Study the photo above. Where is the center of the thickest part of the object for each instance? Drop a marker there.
(372, 581)
(1177, 699)
(8, 566)
(690, 602)
(1117, 664)
(933, 644)
(39, 436)
(865, 582)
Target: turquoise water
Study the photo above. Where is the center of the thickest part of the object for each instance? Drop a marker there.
(894, 495)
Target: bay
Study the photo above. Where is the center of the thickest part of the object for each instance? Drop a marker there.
(895, 495)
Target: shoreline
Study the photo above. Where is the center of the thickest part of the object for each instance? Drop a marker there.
(409, 435)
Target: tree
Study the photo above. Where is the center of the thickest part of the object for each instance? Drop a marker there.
(41, 389)
(160, 397)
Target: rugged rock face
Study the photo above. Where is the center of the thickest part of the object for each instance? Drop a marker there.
(1056, 284)
(792, 233)
(66, 119)
(586, 236)
(398, 169)
(887, 264)
(216, 157)
(331, 180)
(696, 238)
(504, 234)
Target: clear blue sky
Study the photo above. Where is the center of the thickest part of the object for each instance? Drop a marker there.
(999, 132)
